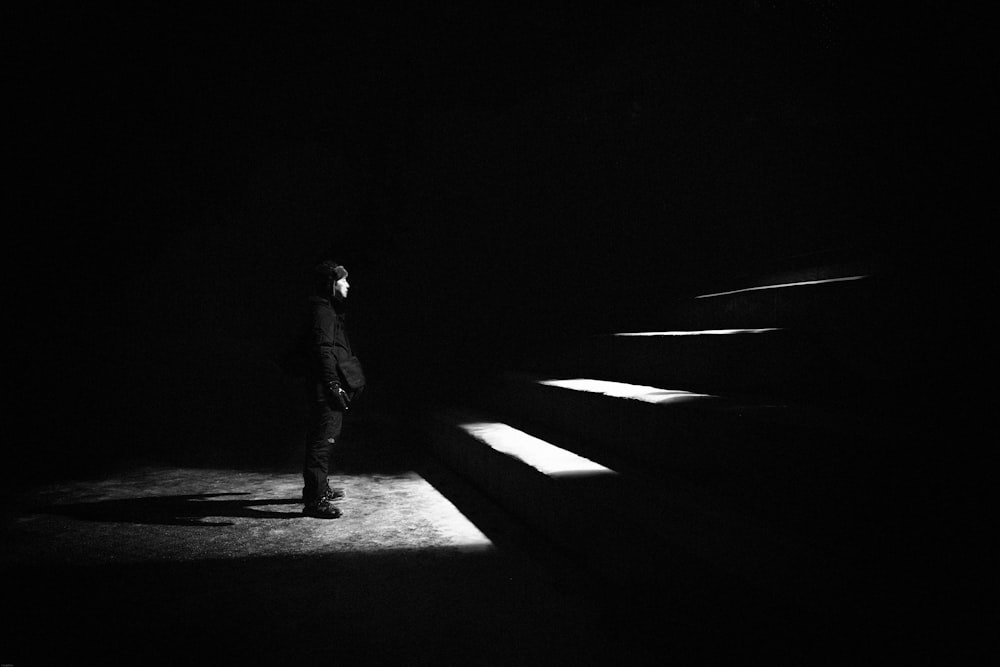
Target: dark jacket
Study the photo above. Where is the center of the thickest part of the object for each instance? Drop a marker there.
(328, 343)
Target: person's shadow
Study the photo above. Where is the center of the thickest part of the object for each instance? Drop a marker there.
(182, 510)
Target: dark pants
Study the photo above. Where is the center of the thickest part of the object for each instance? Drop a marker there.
(321, 435)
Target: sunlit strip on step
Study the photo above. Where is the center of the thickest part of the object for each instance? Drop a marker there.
(636, 392)
(706, 332)
(535, 452)
(804, 282)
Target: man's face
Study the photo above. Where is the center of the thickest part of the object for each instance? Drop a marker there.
(340, 288)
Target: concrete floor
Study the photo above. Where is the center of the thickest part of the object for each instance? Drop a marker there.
(194, 565)
(172, 514)
(153, 563)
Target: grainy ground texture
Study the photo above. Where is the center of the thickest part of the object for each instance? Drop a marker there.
(149, 563)
(184, 565)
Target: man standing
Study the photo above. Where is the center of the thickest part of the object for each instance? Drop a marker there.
(328, 399)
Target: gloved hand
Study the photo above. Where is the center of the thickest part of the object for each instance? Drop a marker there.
(338, 397)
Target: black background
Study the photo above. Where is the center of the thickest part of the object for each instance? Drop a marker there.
(491, 177)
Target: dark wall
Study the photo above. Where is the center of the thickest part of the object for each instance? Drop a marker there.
(490, 178)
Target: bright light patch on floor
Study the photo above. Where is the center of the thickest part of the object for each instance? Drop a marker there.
(706, 332)
(163, 513)
(537, 453)
(804, 282)
(636, 392)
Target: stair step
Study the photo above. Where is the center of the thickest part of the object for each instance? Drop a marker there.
(765, 360)
(625, 530)
(686, 429)
(534, 479)
(810, 304)
(540, 455)
(563, 496)
(797, 468)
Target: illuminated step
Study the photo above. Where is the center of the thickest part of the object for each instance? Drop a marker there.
(535, 452)
(704, 332)
(630, 391)
(801, 283)
(681, 429)
(732, 471)
(623, 528)
(814, 304)
(748, 360)
(685, 429)
(559, 493)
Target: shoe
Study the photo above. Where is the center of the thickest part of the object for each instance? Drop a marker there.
(329, 494)
(335, 493)
(323, 509)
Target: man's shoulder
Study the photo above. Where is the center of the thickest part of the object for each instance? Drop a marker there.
(319, 302)
(321, 308)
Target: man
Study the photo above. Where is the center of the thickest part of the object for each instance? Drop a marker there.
(328, 399)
